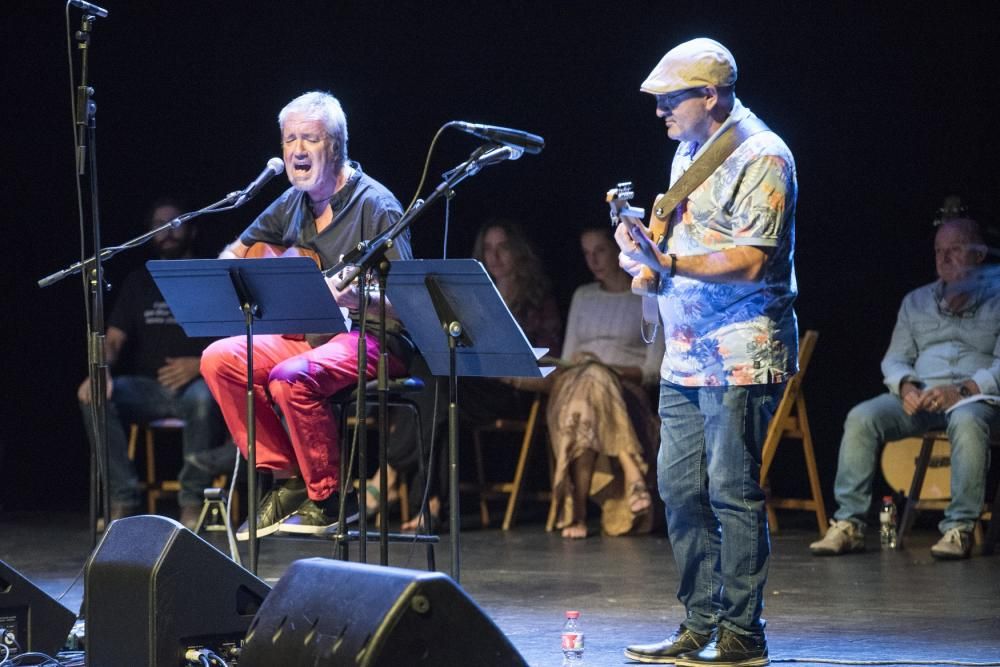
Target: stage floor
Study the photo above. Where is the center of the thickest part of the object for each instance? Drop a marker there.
(903, 607)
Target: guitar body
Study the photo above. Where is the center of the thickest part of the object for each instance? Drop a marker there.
(268, 250)
(262, 250)
(646, 283)
(899, 460)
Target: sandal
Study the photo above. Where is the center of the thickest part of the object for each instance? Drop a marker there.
(375, 498)
(639, 500)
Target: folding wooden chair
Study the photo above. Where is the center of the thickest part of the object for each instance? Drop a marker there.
(155, 486)
(791, 422)
(528, 428)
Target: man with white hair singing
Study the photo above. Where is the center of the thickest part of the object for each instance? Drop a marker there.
(726, 284)
(331, 206)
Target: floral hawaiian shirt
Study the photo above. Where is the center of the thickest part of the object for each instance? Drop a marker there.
(720, 334)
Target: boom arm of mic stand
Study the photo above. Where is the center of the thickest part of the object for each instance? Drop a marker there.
(224, 204)
(368, 253)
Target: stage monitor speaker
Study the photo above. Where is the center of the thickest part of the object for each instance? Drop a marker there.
(154, 589)
(37, 621)
(326, 613)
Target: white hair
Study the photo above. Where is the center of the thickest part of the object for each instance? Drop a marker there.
(325, 108)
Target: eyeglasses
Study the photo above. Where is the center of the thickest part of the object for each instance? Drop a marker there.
(669, 101)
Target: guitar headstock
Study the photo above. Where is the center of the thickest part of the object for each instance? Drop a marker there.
(620, 193)
(618, 199)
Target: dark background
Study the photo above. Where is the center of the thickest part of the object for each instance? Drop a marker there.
(886, 107)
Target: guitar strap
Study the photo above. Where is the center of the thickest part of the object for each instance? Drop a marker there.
(667, 203)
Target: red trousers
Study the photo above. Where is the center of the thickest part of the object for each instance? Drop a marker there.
(297, 380)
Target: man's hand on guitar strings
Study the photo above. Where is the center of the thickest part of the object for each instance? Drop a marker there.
(637, 247)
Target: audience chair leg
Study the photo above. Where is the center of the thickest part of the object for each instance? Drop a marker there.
(813, 472)
(772, 520)
(522, 460)
(993, 533)
(484, 511)
(154, 495)
(913, 497)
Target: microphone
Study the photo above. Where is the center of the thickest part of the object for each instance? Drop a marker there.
(89, 8)
(492, 156)
(500, 154)
(274, 167)
(529, 143)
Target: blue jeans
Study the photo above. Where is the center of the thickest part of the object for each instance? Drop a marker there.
(709, 478)
(881, 419)
(141, 399)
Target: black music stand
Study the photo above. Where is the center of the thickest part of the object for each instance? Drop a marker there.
(457, 318)
(229, 297)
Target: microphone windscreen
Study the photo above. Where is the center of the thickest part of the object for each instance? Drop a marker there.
(277, 165)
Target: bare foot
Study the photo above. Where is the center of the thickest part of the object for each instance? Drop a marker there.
(639, 500)
(575, 531)
(411, 526)
(415, 524)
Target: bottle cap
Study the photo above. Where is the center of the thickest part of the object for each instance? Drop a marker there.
(572, 614)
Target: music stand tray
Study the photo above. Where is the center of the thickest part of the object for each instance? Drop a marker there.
(289, 292)
(493, 344)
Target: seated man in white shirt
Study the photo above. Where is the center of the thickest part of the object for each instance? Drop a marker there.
(945, 347)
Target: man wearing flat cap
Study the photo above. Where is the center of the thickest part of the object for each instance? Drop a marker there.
(723, 258)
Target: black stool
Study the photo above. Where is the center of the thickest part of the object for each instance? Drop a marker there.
(346, 402)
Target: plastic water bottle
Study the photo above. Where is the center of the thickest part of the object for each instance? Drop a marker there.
(887, 523)
(572, 638)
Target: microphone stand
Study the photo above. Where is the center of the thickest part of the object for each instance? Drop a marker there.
(356, 264)
(85, 113)
(93, 266)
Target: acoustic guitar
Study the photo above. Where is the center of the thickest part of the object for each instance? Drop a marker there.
(267, 250)
(261, 250)
(899, 460)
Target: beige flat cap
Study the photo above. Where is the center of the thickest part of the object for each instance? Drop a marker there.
(698, 62)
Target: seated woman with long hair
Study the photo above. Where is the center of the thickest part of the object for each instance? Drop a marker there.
(516, 270)
(602, 426)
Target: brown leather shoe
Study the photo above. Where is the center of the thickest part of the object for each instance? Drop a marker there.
(730, 649)
(667, 651)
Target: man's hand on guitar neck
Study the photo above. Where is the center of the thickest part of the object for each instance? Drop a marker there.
(350, 296)
(637, 250)
(732, 265)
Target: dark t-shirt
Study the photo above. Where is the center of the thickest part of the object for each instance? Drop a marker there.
(153, 333)
(362, 209)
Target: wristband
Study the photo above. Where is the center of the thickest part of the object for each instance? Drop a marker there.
(673, 265)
